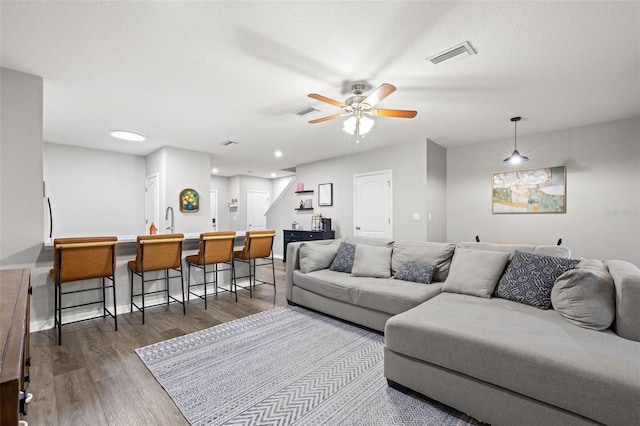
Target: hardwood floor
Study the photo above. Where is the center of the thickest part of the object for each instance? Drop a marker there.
(95, 377)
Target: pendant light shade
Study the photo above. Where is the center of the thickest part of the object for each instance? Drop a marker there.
(516, 157)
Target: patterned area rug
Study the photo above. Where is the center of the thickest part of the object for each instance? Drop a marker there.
(286, 366)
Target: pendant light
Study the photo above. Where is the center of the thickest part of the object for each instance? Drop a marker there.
(515, 157)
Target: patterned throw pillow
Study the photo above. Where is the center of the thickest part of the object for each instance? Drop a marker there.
(416, 272)
(343, 262)
(529, 278)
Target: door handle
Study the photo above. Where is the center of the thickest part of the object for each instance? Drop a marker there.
(357, 228)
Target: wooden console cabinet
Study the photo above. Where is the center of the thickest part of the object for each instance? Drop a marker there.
(15, 292)
(291, 236)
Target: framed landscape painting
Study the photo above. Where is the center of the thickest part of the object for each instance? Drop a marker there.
(529, 191)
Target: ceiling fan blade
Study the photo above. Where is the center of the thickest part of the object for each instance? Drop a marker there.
(330, 117)
(327, 100)
(379, 94)
(402, 113)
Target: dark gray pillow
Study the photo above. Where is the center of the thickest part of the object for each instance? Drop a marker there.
(529, 278)
(416, 272)
(343, 262)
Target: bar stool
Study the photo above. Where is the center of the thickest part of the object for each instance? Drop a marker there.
(157, 253)
(258, 245)
(83, 258)
(214, 248)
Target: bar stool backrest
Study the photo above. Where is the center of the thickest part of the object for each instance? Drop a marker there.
(83, 258)
(157, 252)
(257, 244)
(216, 247)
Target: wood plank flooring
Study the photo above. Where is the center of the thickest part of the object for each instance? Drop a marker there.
(95, 377)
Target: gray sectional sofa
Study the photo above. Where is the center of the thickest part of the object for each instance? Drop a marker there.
(469, 341)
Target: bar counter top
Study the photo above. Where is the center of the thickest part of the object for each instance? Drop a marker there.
(124, 239)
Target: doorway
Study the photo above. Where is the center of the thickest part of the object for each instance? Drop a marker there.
(257, 206)
(214, 209)
(373, 195)
(152, 201)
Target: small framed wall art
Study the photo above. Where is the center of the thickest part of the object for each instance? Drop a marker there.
(529, 191)
(189, 200)
(325, 194)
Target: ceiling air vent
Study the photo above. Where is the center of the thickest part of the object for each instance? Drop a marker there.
(306, 110)
(453, 52)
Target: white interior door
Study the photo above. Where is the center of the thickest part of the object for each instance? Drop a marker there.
(373, 205)
(257, 206)
(214, 209)
(152, 200)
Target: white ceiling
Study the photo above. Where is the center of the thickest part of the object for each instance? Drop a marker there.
(196, 74)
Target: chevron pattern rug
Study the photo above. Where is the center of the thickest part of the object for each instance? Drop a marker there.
(286, 366)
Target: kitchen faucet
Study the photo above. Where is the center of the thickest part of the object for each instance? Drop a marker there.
(171, 227)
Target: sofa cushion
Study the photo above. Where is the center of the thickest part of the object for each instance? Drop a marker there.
(626, 278)
(533, 352)
(343, 262)
(529, 278)
(438, 254)
(381, 294)
(585, 296)
(415, 272)
(317, 256)
(372, 261)
(475, 272)
(548, 250)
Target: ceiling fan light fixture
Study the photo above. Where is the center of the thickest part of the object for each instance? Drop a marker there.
(366, 124)
(515, 156)
(128, 135)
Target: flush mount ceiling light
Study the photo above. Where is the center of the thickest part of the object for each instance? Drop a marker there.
(515, 157)
(128, 135)
(277, 154)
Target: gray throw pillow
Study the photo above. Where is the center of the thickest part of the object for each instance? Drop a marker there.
(438, 254)
(415, 272)
(372, 261)
(529, 278)
(475, 272)
(314, 256)
(343, 262)
(586, 296)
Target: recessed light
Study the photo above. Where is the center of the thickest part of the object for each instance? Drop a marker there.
(214, 170)
(278, 154)
(273, 174)
(128, 135)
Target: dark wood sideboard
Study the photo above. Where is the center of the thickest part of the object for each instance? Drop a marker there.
(15, 292)
(291, 236)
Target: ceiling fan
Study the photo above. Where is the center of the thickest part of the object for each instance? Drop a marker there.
(359, 107)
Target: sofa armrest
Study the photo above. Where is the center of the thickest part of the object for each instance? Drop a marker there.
(626, 277)
(293, 263)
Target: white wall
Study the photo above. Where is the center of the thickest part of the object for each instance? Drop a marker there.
(436, 192)
(94, 192)
(408, 163)
(603, 191)
(21, 207)
(183, 169)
